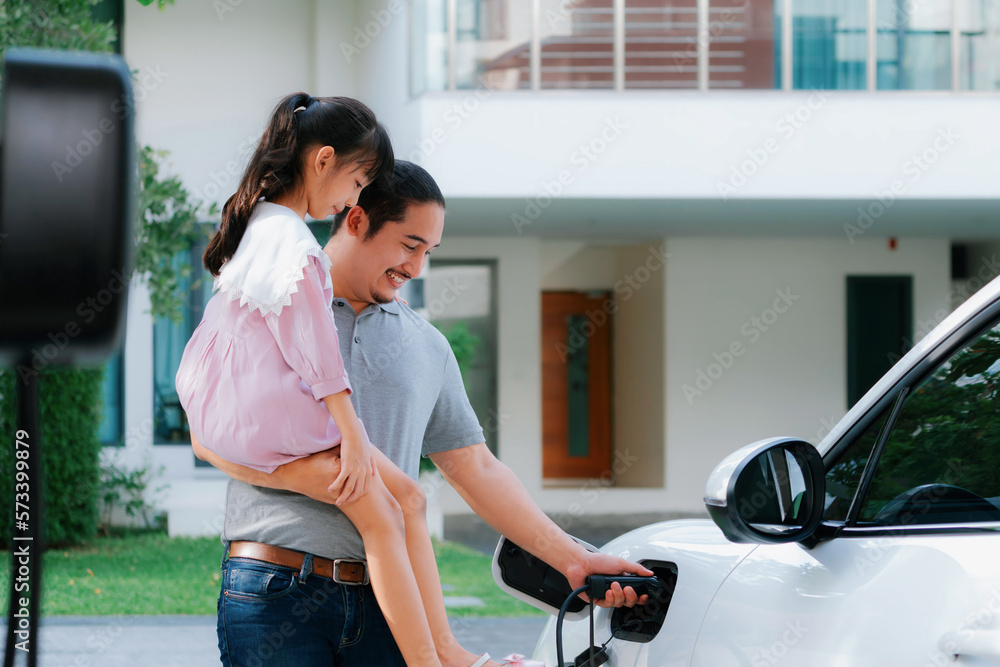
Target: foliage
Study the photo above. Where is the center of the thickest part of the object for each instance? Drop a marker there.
(463, 343)
(947, 430)
(55, 24)
(127, 489)
(167, 226)
(69, 417)
(159, 3)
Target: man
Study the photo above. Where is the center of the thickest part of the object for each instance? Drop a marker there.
(281, 528)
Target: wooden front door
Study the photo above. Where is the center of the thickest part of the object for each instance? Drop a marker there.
(576, 385)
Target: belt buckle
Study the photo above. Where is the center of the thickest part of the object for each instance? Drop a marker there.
(349, 561)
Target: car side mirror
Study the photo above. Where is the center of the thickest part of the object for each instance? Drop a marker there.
(770, 492)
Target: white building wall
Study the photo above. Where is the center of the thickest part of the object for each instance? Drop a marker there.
(759, 144)
(209, 78)
(788, 380)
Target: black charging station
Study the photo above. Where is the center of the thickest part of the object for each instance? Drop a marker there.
(67, 210)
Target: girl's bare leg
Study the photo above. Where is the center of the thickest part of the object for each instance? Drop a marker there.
(411, 499)
(378, 517)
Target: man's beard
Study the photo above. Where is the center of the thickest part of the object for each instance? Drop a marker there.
(380, 298)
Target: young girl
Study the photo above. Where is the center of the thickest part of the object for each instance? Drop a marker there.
(262, 374)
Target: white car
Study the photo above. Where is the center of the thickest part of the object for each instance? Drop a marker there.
(880, 546)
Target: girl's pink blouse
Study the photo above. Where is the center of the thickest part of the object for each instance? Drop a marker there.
(252, 385)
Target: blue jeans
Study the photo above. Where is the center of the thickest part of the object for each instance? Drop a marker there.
(274, 616)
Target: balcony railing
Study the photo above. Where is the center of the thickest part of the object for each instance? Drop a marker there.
(706, 44)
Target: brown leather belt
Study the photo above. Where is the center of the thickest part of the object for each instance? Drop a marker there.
(341, 570)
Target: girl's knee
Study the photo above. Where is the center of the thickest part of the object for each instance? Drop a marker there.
(412, 499)
(377, 510)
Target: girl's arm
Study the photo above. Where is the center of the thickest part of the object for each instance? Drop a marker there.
(306, 336)
(357, 461)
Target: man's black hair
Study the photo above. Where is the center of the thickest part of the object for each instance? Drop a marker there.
(409, 184)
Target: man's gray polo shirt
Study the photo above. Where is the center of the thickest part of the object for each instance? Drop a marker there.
(408, 392)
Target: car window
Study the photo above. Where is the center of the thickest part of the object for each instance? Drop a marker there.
(942, 458)
(843, 477)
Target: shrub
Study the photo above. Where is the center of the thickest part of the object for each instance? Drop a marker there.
(69, 417)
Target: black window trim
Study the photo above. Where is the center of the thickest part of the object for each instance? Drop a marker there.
(893, 400)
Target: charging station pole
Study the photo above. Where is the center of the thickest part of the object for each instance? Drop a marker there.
(67, 235)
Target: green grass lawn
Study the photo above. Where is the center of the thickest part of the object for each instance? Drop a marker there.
(150, 573)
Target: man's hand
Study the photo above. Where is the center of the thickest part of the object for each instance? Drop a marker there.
(309, 476)
(597, 563)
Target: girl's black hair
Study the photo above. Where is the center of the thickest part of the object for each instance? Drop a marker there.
(345, 124)
(387, 201)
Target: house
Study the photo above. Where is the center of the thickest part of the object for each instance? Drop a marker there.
(676, 226)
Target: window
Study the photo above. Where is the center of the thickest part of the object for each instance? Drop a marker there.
(914, 45)
(830, 44)
(112, 416)
(942, 455)
(980, 45)
(460, 300)
(844, 476)
(169, 339)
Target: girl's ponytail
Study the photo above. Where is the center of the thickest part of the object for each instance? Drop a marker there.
(273, 160)
(299, 122)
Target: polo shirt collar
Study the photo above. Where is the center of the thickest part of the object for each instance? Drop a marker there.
(392, 307)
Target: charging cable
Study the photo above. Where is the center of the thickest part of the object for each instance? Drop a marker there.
(596, 588)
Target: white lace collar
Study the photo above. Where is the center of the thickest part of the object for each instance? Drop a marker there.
(268, 265)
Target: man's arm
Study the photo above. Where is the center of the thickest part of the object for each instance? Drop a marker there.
(310, 476)
(495, 493)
